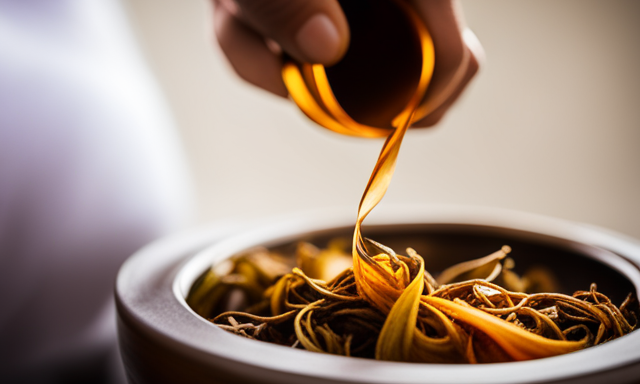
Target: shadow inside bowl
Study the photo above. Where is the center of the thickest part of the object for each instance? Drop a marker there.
(575, 266)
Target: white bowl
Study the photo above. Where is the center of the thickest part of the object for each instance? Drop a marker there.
(163, 341)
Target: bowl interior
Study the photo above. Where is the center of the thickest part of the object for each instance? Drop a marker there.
(574, 265)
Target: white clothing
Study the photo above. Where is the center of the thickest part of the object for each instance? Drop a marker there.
(90, 170)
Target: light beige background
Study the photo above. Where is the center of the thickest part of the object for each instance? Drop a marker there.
(550, 125)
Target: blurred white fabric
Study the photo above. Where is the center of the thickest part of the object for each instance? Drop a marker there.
(90, 170)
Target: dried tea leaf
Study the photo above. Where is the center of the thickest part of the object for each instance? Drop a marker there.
(397, 334)
(486, 268)
(323, 264)
(516, 342)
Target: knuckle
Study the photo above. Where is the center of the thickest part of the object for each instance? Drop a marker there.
(222, 28)
(474, 65)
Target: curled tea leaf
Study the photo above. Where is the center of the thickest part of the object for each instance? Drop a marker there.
(486, 268)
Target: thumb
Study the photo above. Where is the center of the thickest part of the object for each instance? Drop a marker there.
(314, 31)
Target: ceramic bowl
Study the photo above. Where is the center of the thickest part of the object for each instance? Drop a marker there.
(163, 341)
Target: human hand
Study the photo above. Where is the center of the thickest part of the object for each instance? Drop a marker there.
(253, 34)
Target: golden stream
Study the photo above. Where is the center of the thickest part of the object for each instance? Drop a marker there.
(400, 338)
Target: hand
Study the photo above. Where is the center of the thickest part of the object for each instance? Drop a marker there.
(253, 34)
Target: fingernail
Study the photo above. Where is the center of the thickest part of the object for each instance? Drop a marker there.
(318, 39)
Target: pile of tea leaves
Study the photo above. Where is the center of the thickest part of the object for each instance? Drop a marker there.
(391, 308)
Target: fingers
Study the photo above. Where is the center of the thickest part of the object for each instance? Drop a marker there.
(456, 52)
(252, 34)
(313, 31)
(247, 51)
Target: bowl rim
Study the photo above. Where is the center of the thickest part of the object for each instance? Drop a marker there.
(206, 341)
